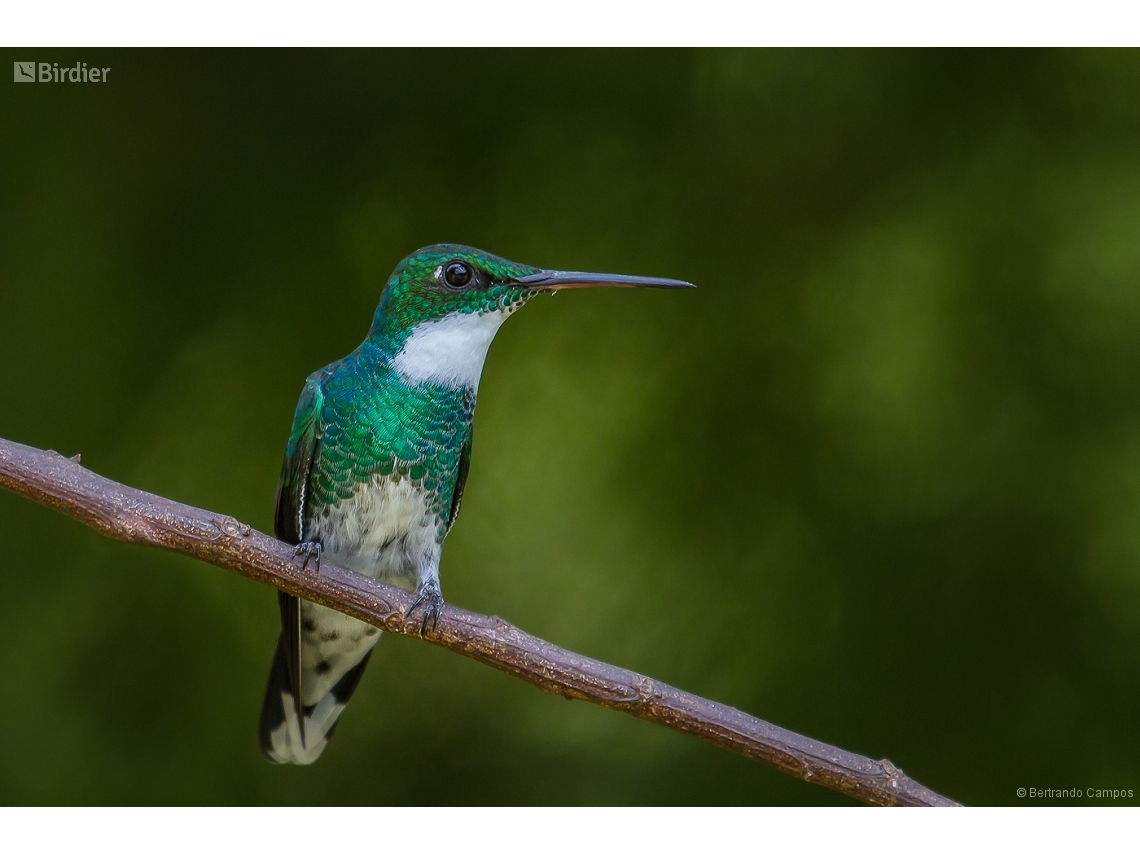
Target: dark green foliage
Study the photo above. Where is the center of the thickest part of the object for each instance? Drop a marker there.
(877, 479)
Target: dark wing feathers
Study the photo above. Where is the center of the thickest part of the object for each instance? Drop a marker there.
(304, 444)
(460, 482)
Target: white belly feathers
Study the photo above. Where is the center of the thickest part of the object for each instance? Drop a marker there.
(384, 530)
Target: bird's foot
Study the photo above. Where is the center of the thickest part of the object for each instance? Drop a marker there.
(310, 549)
(432, 601)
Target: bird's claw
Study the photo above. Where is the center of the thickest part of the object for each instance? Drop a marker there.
(432, 601)
(311, 549)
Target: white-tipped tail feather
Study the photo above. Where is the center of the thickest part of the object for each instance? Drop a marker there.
(280, 731)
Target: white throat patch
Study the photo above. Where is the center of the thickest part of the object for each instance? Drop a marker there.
(449, 351)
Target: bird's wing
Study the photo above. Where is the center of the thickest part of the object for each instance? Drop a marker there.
(304, 442)
(460, 483)
(289, 516)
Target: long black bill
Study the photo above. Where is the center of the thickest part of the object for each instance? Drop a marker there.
(555, 280)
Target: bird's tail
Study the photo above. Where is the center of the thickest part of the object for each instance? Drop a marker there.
(279, 731)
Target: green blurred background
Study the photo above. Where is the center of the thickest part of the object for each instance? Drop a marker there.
(877, 480)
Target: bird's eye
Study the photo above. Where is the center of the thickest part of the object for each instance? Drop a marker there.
(458, 275)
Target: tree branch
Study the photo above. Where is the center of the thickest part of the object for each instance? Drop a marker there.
(124, 513)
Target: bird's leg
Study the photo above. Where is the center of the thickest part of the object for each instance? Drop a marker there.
(432, 601)
(309, 549)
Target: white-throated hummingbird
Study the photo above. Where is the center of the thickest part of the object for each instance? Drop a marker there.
(376, 464)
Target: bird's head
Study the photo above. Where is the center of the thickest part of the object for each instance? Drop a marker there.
(443, 305)
(446, 279)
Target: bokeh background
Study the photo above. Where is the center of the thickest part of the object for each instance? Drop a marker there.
(876, 480)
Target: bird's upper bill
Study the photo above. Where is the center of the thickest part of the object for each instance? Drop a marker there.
(555, 280)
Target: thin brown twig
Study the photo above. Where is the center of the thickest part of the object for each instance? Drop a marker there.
(127, 514)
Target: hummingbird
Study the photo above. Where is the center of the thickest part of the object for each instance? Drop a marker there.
(376, 464)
